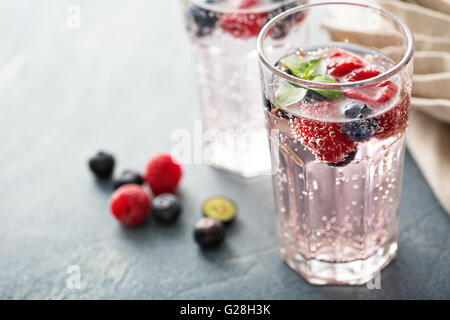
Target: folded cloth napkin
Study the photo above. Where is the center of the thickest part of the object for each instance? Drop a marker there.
(428, 138)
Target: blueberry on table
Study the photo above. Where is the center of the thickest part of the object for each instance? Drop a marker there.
(220, 209)
(128, 177)
(209, 232)
(166, 207)
(102, 164)
(362, 129)
(201, 21)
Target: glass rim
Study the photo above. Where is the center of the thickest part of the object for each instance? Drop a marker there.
(343, 85)
(211, 6)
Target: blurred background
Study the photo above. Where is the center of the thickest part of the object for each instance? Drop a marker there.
(78, 76)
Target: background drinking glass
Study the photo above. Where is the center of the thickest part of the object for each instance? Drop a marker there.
(337, 193)
(223, 36)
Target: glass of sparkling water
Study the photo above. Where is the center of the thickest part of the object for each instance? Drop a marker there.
(223, 36)
(337, 91)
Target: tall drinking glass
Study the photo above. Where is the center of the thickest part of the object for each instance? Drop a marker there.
(223, 36)
(337, 92)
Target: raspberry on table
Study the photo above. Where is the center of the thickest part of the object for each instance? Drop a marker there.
(163, 174)
(130, 205)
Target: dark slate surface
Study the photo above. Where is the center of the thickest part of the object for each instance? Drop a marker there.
(123, 82)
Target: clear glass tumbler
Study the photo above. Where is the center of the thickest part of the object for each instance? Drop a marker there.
(223, 36)
(337, 91)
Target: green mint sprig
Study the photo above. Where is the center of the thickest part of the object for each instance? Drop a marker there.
(311, 71)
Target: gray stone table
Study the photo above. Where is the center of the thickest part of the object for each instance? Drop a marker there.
(123, 82)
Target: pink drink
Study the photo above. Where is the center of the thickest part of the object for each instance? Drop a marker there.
(223, 36)
(352, 208)
(337, 155)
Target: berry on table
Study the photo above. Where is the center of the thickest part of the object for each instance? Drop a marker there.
(130, 205)
(102, 164)
(128, 177)
(163, 174)
(220, 208)
(166, 207)
(209, 232)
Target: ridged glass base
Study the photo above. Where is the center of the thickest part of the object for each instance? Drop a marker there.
(355, 272)
(246, 162)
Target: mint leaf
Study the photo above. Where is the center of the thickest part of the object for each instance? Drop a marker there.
(287, 96)
(319, 66)
(313, 70)
(309, 73)
(296, 65)
(329, 93)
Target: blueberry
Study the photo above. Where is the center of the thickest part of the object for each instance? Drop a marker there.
(357, 110)
(349, 158)
(102, 164)
(209, 232)
(267, 104)
(274, 110)
(362, 129)
(128, 177)
(202, 21)
(313, 96)
(282, 28)
(166, 207)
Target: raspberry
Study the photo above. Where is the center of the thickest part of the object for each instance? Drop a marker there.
(244, 25)
(341, 63)
(379, 93)
(361, 74)
(163, 174)
(324, 139)
(394, 121)
(130, 204)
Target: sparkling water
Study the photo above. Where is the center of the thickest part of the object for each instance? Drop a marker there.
(227, 73)
(337, 223)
